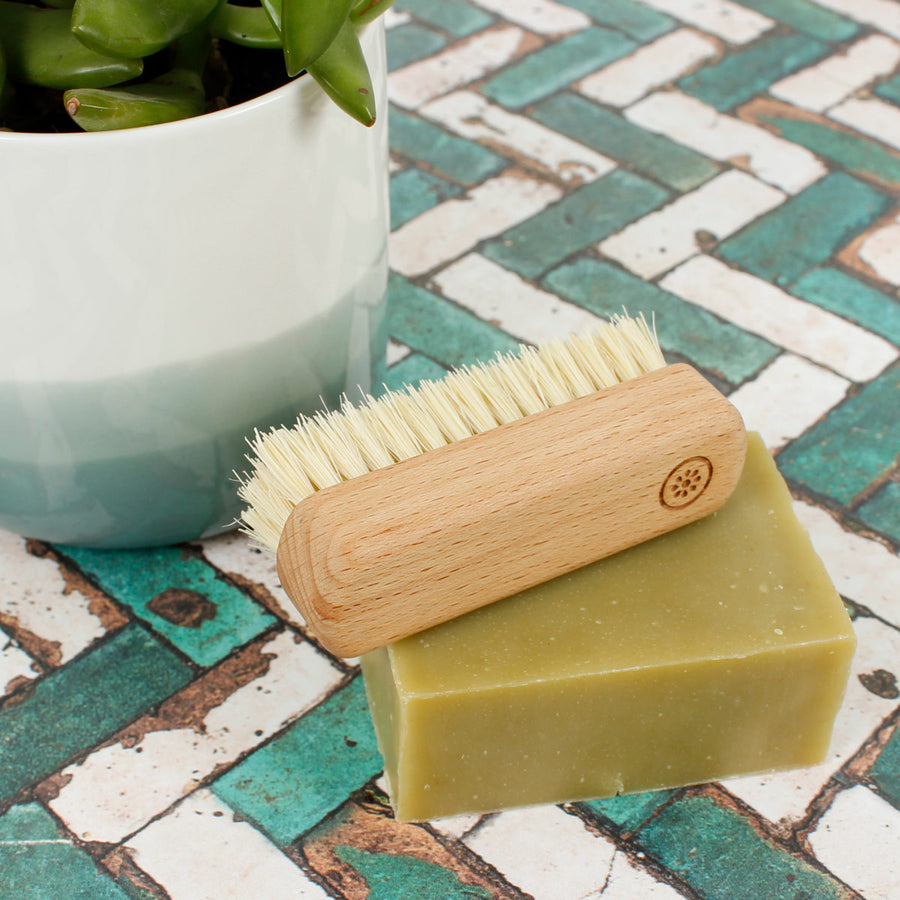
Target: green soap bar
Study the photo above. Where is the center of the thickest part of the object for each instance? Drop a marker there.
(717, 650)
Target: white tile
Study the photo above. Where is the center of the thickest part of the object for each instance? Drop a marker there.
(455, 827)
(787, 397)
(473, 116)
(119, 788)
(729, 21)
(544, 851)
(34, 593)
(455, 66)
(393, 17)
(549, 854)
(15, 664)
(651, 66)
(832, 79)
(455, 226)
(203, 851)
(862, 569)
(880, 250)
(235, 555)
(883, 15)
(858, 839)
(701, 127)
(499, 296)
(663, 238)
(876, 118)
(626, 881)
(785, 796)
(758, 306)
(396, 352)
(539, 16)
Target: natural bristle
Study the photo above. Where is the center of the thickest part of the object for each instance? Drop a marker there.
(327, 448)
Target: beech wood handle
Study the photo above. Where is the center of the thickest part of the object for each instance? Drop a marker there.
(395, 551)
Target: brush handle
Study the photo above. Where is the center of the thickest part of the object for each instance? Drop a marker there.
(400, 549)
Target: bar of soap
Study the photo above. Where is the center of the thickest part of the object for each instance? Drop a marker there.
(717, 650)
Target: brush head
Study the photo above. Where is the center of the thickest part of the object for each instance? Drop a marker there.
(290, 464)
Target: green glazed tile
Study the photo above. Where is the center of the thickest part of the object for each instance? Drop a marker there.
(855, 444)
(802, 15)
(712, 344)
(587, 215)
(411, 42)
(806, 230)
(454, 157)
(639, 21)
(413, 369)
(291, 783)
(393, 877)
(629, 811)
(38, 861)
(849, 150)
(180, 596)
(845, 295)
(885, 771)
(723, 857)
(556, 65)
(606, 132)
(741, 75)
(414, 191)
(882, 512)
(458, 17)
(81, 704)
(440, 329)
(890, 89)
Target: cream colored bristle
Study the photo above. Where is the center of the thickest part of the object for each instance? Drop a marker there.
(327, 448)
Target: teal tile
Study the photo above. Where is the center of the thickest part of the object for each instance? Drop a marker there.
(802, 15)
(845, 295)
(741, 75)
(885, 771)
(722, 856)
(556, 65)
(413, 191)
(457, 17)
(850, 151)
(411, 42)
(882, 512)
(636, 20)
(390, 876)
(38, 861)
(806, 230)
(291, 783)
(413, 369)
(890, 89)
(855, 444)
(629, 811)
(439, 329)
(588, 214)
(78, 706)
(454, 157)
(607, 132)
(712, 344)
(179, 595)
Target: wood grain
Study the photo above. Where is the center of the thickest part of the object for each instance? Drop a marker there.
(395, 551)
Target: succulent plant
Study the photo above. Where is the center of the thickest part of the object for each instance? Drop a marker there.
(123, 63)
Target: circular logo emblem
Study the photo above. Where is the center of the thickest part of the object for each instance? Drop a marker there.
(686, 482)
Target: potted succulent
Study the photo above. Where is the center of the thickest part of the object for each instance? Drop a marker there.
(192, 246)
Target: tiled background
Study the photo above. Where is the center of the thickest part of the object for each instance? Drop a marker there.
(168, 729)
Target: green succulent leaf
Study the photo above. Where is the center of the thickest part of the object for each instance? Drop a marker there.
(273, 11)
(136, 28)
(308, 28)
(365, 11)
(40, 49)
(249, 26)
(342, 73)
(176, 95)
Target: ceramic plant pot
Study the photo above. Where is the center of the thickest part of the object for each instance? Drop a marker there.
(166, 290)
